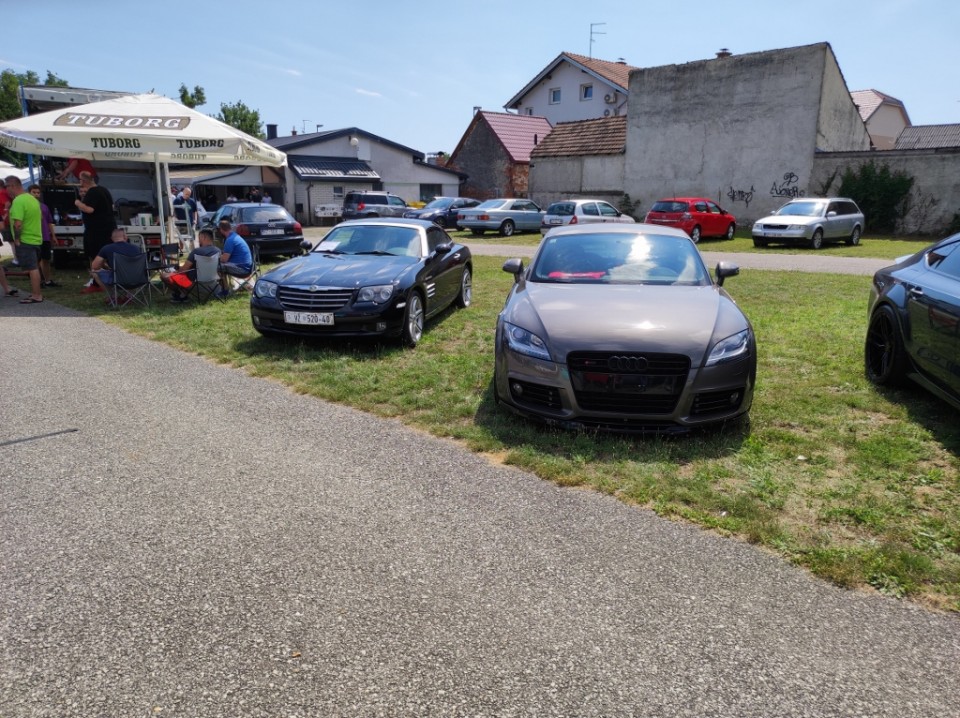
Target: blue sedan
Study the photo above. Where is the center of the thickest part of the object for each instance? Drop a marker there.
(505, 216)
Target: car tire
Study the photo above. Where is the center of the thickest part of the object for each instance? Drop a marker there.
(476, 232)
(465, 296)
(759, 242)
(413, 320)
(441, 222)
(731, 230)
(854, 239)
(507, 228)
(884, 356)
(695, 234)
(816, 242)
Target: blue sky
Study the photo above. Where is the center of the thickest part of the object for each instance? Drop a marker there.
(413, 71)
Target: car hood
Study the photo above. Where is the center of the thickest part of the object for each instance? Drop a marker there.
(577, 317)
(334, 270)
(788, 219)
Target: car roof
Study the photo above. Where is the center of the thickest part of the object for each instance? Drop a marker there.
(685, 199)
(244, 205)
(614, 228)
(579, 200)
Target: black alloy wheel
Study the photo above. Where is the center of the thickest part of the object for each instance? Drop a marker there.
(884, 356)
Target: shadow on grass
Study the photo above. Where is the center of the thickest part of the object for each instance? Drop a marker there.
(932, 413)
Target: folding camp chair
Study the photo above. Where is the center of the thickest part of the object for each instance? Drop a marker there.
(131, 280)
(207, 283)
(246, 283)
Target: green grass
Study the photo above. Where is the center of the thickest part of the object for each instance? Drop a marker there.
(860, 486)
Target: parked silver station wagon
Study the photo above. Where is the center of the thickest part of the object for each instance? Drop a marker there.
(581, 211)
(811, 221)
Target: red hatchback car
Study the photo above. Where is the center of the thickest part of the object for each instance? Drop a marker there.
(697, 216)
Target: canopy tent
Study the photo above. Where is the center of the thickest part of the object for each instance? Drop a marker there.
(138, 128)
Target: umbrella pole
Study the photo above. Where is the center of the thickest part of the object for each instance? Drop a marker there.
(160, 189)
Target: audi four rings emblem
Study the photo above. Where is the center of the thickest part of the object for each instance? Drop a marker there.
(628, 363)
(314, 288)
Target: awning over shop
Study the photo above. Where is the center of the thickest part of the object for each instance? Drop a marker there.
(224, 176)
(331, 169)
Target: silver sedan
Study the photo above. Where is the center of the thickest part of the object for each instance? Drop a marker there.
(505, 216)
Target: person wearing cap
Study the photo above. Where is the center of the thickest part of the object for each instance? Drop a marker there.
(26, 220)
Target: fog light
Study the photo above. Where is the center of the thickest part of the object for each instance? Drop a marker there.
(517, 388)
(256, 320)
(735, 398)
(381, 326)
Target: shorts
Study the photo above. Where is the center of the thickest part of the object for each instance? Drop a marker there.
(46, 251)
(106, 276)
(28, 255)
(235, 270)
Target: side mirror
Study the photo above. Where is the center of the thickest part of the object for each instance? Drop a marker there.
(724, 270)
(831, 213)
(515, 267)
(306, 245)
(443, 248)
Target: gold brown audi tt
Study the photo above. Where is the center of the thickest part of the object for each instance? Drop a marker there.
(622, 328)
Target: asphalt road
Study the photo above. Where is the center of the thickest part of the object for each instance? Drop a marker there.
(181, 539)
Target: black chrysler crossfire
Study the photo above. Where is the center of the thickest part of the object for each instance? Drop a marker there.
(366, 278)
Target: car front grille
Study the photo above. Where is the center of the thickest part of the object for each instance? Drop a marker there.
(301, 299)
(777, 227)
(628, 382)
(537, 394)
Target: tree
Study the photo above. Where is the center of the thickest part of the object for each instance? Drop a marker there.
(10, 106)
(192, 99)
(242, 117)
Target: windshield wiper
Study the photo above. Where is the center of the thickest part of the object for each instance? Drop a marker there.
(378, 252)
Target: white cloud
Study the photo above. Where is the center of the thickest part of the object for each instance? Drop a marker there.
(295, 73)
(368, 93)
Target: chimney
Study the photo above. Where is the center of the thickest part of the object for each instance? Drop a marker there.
(293, 131)
(271, 132)
(535, 142)
(621, 61)
(724, 52)
(476, 109)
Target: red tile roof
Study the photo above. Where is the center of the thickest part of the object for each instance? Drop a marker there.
(602, 136)
(518, 133)
(617, 72)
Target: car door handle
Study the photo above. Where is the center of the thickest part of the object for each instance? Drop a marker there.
(915, 292)
(457, 255)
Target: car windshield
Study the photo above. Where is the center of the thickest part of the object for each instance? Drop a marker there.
(669, 207)
(619, 258)
(439, 203)
(265, 213)
(562, 209)
(802, 209)
(372, 239)
(492, 204)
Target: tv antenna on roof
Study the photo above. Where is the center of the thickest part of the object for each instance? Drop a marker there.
(594, 32)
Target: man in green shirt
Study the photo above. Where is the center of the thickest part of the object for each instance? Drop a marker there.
(26, 227)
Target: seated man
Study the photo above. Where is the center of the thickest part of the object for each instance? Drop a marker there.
(100, 267)
(182, 279)
(236, 259)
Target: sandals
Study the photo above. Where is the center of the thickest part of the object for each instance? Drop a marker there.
(13, 292)
(31, 300)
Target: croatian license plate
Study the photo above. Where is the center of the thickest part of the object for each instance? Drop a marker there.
(556, 221)
(312, 318)
(264, 232)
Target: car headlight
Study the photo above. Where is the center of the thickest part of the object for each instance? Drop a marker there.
(264, 288)
(524, 342)
(797, 227)
(378, 294)
(733, 347)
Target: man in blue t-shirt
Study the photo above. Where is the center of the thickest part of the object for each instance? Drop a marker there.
(236, 259)
(100, 267)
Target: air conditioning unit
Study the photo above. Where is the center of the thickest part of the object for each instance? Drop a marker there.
(610, 98)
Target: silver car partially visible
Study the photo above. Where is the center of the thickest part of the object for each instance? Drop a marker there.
(811, 221)
(503, 215)
(581, 211)
(620, 327)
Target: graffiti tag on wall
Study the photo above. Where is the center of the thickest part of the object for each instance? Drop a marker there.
(787, 188)
(740, 195)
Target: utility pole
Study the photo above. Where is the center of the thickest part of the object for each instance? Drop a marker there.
(594, 32)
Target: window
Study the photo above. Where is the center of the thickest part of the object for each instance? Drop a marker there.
(396, 201)
(529, 110)
(586, 92)
(608, 210)
(555, 96)
(429, 191)
(590, 208)
(338, 191)
(435, 237)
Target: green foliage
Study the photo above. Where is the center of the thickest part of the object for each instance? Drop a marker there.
(10, 107)
(628, 206)
(881, 193)
(192, 99)
(242, 117)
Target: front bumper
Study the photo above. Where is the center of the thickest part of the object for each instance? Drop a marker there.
(267, 316)
(781, 234)
(555, 394)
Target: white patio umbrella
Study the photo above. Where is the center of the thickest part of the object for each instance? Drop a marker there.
(137, 128)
